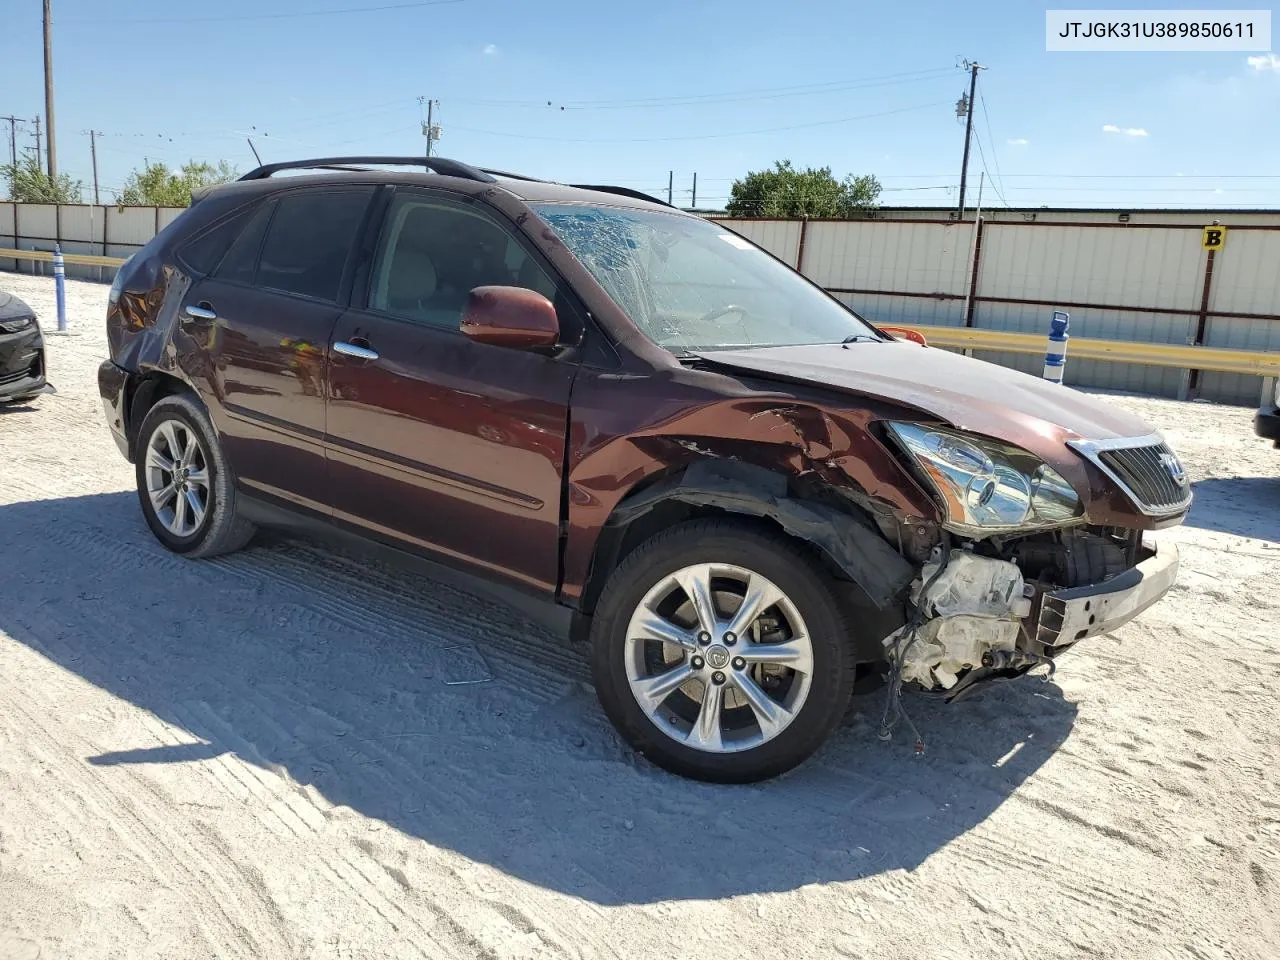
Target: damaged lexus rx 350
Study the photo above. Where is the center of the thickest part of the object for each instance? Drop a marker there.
(637, 425)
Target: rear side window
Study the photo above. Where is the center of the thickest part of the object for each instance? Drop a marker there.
(309, 239)
(203, 253)
(241, 260)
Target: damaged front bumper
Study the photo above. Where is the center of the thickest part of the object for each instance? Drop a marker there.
(1068, 616)
(985, 623)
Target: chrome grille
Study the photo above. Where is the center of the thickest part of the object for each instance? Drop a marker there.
(1147, 470)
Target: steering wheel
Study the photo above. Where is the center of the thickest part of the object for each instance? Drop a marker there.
(719, 312)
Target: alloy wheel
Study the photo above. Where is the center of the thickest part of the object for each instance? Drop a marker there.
(718, 657)
(177, 478)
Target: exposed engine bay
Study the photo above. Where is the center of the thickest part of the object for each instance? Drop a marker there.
(976, 607)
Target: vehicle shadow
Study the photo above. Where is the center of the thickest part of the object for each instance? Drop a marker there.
(1244, 506)
(451, 721)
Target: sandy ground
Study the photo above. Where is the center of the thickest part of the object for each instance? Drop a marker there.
(268, 756)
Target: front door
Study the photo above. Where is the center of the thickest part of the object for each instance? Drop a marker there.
(268, 310)
(435, 441)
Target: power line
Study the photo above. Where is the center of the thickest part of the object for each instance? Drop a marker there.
(757, 91)
(708, 99)
(995, 156)
(700, 136)
(298, 14)
(1107, 176)
(982, 155)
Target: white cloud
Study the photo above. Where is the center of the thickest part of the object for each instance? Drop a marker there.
(1268, 61)
(1018, 142)
(1127, 131)
(490, 50)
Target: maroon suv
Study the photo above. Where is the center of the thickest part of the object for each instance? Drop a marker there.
(661, 436)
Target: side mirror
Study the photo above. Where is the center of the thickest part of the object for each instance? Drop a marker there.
(905, 333)
(510, 317)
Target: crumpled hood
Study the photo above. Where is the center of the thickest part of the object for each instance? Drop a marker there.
(966, 393)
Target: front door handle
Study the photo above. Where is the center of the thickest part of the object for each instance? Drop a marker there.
(349, 349)
(202, 311)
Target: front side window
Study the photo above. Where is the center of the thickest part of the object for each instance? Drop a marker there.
(433, 252)
(309, 239)
(692, 285)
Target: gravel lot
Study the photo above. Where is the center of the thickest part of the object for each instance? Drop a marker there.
(267, 756)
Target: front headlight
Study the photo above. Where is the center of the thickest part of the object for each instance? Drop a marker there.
(988, 486)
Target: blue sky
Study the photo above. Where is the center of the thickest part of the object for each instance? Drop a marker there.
(622, 92)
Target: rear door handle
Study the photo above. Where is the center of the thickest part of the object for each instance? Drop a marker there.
(201, 311)
(349, 349)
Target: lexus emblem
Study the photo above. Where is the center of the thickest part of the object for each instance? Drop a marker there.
(1174, 466)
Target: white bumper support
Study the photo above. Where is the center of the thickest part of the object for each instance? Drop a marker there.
(1067, 616)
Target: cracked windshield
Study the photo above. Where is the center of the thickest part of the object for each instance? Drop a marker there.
(692, 286)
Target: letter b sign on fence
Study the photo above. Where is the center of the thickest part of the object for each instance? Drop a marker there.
(1214, 237)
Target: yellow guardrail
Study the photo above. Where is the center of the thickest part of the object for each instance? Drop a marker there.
(1217, 359)
(80, 259)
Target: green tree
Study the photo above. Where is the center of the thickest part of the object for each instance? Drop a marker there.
(29, 183)
(158, 186)
(785, 191)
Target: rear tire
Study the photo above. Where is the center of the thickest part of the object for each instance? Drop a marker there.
(185, 486)
(787, 678)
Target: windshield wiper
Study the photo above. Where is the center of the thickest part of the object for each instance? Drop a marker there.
(859, 338)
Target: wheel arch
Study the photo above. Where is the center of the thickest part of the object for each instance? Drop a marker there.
(845, 539)
(144, 391)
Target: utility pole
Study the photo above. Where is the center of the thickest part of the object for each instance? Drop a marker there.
(429, 129)
(671, 182)
(39, 155)
(48, 89)
(966, 105)
(13, 139)
(694, 204)
(93, 152)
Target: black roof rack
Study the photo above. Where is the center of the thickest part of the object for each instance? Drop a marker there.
(620, 191)
(513, 176)
(446, 168)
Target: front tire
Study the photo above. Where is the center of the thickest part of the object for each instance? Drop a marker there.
(185, 488)
(722, 653)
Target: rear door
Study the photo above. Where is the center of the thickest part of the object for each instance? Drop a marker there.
(434, 440)
(267, 312)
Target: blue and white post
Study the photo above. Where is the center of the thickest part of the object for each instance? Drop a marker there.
(1055, 357)
(60, 287)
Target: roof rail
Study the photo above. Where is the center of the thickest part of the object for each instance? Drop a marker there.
(446, 168)
(620, 191)
(513, 176)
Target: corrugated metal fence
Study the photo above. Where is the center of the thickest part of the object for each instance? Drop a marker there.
(80, 228)
(1151, 283)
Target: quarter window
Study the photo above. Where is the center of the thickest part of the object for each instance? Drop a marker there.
(203, 253)
(242, 259)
